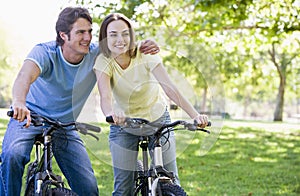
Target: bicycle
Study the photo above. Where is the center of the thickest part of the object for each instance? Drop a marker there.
(155, 179)
(40, 178)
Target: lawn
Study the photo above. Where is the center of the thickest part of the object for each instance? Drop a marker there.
(249, 158)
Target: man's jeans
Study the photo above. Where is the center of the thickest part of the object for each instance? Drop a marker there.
(124, 150)
(68, 150)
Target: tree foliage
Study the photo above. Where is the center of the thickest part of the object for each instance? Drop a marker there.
(5, 85)
(249, 46)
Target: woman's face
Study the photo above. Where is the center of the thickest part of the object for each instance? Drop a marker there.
(118, 37)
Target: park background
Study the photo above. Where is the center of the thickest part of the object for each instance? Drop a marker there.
(236, 60)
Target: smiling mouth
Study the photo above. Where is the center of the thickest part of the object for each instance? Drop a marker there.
(85, 45)
(120, 46)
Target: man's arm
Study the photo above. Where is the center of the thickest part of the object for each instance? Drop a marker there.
(28, 74)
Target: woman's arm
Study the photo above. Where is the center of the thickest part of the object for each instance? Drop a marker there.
(104, 88)
(105, 91)
(173, 93)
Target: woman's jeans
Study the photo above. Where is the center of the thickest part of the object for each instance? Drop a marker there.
(68, 150)
(124, 150)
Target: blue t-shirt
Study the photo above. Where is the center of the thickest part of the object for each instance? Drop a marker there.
(62, 88)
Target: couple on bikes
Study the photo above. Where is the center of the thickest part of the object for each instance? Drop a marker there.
(55, 81)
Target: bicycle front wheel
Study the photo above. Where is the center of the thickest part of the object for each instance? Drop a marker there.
(61, 192)
(170, 189)
(52, 192)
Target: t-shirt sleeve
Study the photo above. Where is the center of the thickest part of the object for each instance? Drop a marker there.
(39, 56)
(150, 60)
(103, 64)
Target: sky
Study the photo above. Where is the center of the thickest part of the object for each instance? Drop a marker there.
(26, 23)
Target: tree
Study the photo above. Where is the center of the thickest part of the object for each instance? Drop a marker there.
(246, 38)
(278, 28)
(5, 85)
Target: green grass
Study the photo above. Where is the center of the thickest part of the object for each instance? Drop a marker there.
(245, 161)
(249, 158)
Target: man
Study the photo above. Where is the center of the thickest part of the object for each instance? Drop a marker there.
(55, 80)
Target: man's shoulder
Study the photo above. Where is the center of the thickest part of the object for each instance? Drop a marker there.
(49, 46)
(94, 47)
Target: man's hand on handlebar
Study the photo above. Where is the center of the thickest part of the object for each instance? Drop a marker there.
(20, 113)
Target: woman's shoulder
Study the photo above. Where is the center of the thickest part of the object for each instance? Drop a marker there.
(103, 58)
(102, 62)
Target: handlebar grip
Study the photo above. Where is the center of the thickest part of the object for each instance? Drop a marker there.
(10, 113)
(109, 119)
(208, 124)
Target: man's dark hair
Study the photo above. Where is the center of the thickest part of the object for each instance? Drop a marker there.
(67, 18)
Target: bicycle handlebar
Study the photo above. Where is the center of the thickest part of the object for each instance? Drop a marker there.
(38, 120)
(140, 121)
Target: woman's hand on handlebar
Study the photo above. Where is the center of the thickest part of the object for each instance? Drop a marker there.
(20, 113)
(202, 120)
(118, 118)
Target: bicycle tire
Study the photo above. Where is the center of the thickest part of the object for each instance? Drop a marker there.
(140, 179)
(61, 192)
(53, 192)
(47, 191)
(170, 189)
(30, 188)
(29, 191)
(30, 171)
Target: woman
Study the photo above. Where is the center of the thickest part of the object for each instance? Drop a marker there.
(133, 81)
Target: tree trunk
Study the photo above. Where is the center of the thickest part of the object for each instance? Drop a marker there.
(280, 100)
(204, 97)
(281, 69)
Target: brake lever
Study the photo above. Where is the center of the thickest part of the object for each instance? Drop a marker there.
(93, 135)
(189, 126)
(204, 130)
(85, 132)
(195, 127)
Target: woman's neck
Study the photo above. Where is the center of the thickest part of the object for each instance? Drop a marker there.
(123, 60)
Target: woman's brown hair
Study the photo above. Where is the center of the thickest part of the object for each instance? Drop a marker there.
(103, 34)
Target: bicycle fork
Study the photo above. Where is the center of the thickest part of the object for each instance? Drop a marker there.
(157, 167)
(45, 169)
(38, 182)
(144, 146)
(47, 163)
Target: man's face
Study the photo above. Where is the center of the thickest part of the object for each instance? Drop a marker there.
(77, 43)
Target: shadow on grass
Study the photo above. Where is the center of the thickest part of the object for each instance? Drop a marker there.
(244, 161)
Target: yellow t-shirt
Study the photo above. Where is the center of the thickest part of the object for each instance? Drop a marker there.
(135, 89)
